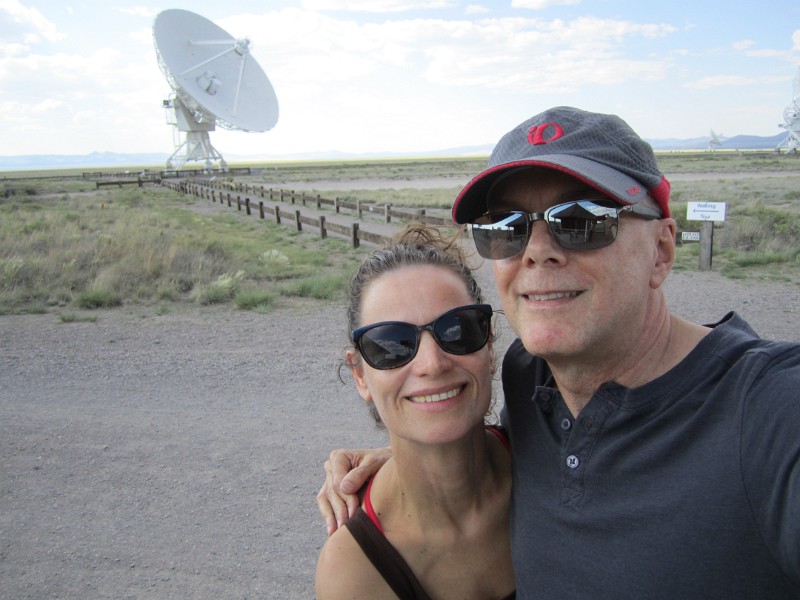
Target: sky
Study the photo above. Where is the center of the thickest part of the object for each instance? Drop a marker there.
(410, 76)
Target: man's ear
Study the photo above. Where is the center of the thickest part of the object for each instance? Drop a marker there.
(665, 252)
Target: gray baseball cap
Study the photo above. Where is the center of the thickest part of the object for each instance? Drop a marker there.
(600, 150)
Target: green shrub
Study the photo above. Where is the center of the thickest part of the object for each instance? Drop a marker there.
(98, 298)
(320, 287)
(256, 300)
(224, 288)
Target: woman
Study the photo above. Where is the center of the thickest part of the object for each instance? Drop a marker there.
(433, 522)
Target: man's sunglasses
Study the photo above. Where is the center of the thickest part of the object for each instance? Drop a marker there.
(579, 225)
(392, 344)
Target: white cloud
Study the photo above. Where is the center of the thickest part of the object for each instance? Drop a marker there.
(768, 53)
(476, 9)
(796, 40)
(140, 11)
(743, 44)
(542, 4)
(533, 56)
(722, 81)
(143, 36)
(21, 23)
(374, 6)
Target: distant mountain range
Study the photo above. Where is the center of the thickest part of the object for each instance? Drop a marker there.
(737, 142)
(112, 159)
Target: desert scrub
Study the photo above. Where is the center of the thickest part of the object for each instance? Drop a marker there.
(320, 287)
(142, 245)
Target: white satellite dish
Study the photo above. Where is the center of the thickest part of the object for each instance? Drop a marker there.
(791, 119)
(214, 81)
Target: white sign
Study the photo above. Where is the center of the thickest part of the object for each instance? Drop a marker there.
(690, 236)
(705, 211)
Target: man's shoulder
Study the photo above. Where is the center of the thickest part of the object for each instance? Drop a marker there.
(733, 338)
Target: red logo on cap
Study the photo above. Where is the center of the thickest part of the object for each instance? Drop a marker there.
(634, 190)
(537, 132)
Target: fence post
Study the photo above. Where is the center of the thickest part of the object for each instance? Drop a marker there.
(229, 199)
(278, 215)
(281, 198)
(298, 221)
(238, 203)
(247, 204)
(386, 211)
(323, 233)
(355, 235)
(358, 208)
(706, 245)
(336, 204)
(261, 209)
(319, 202)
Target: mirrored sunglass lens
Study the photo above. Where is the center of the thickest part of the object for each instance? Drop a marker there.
(500, 235)
(583, 225)
(389, 346)
(463, 332)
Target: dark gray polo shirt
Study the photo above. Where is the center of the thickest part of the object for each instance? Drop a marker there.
(687, 487)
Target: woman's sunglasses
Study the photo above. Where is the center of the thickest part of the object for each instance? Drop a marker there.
(392, 344)
(580, 225)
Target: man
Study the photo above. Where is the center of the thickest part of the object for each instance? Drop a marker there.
(652, 457)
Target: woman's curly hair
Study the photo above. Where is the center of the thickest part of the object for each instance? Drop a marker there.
(416, 244)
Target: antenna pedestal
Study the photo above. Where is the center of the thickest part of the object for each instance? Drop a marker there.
(197, 146)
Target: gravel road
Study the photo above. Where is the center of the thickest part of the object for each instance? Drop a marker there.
(177, 456)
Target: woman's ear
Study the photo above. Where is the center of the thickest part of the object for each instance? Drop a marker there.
(356, 366)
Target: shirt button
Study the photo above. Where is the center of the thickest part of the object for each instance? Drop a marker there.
(573, 461)
(566, 424)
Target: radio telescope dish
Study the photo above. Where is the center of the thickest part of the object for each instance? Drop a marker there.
(791, 119)
(714, 141)
(214, 80)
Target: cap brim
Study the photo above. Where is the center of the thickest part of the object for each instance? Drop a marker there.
(471, 201)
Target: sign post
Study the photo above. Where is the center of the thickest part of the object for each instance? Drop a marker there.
(707, 212)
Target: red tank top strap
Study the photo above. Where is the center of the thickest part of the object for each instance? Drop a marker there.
(368, 506)
(500, 434)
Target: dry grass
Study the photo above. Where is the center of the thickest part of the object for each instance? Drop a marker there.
(147, 245)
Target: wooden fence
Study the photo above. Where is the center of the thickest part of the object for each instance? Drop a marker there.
(250, 198)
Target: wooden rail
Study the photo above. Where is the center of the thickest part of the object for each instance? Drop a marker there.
(337, 204)
(139, 180)
(241, 196)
